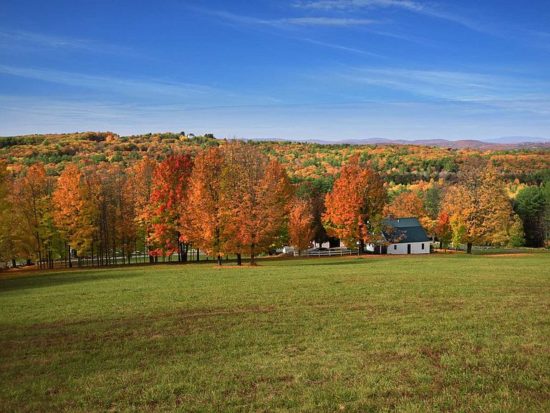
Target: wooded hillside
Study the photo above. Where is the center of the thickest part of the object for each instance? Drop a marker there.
(107, 197)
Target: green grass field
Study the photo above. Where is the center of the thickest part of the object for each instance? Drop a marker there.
(437, 333)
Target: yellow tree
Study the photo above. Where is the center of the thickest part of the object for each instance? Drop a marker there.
(32, 197)
(16, 241)
(7, 247)
(480, 210)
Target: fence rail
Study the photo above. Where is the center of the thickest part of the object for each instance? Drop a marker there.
(331, 252)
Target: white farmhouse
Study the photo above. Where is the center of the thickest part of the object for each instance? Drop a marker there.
(403, 236)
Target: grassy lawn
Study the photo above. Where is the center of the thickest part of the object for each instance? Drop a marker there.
(437, 333)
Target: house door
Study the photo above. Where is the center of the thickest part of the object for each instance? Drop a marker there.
(408, 248)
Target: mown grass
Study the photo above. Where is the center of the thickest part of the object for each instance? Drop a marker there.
(437, 333)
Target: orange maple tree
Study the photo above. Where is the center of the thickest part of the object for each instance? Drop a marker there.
(256, 197)
(406, 204)
(410, 204)
(69, 212)
(203, 224)
(354, 206)
(141, 184)
(443, 229)
(300, 224)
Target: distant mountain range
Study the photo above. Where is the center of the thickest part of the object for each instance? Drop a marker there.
(509, 142)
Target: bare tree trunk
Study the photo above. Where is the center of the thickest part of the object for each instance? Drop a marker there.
(184, 250)
(239, 259)
(219, 260)
(114, 251)
(469, 248)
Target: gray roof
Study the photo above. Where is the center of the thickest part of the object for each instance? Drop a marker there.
(404, 230)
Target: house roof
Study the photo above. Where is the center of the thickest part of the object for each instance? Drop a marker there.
(404, 230)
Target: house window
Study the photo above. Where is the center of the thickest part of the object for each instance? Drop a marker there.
(422, 246)
(394, 246)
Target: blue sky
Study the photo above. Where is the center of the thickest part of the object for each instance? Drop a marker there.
(300, 69)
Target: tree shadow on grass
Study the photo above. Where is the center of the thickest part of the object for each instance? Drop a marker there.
(59, 279)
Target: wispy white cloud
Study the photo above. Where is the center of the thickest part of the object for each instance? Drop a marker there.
(150, 88)
(513, 93)
(354, 4)
(325, 21)
(286, 25)
(291, 21)
(414, 6)
(282, 27)
(20, 39)
(127, 91)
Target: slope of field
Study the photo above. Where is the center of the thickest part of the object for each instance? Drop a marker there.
(438, 333)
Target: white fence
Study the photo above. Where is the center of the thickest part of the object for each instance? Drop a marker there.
(331, 252)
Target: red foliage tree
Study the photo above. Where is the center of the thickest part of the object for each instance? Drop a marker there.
(169, 205)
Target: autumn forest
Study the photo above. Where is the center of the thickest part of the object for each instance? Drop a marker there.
(100, 199)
